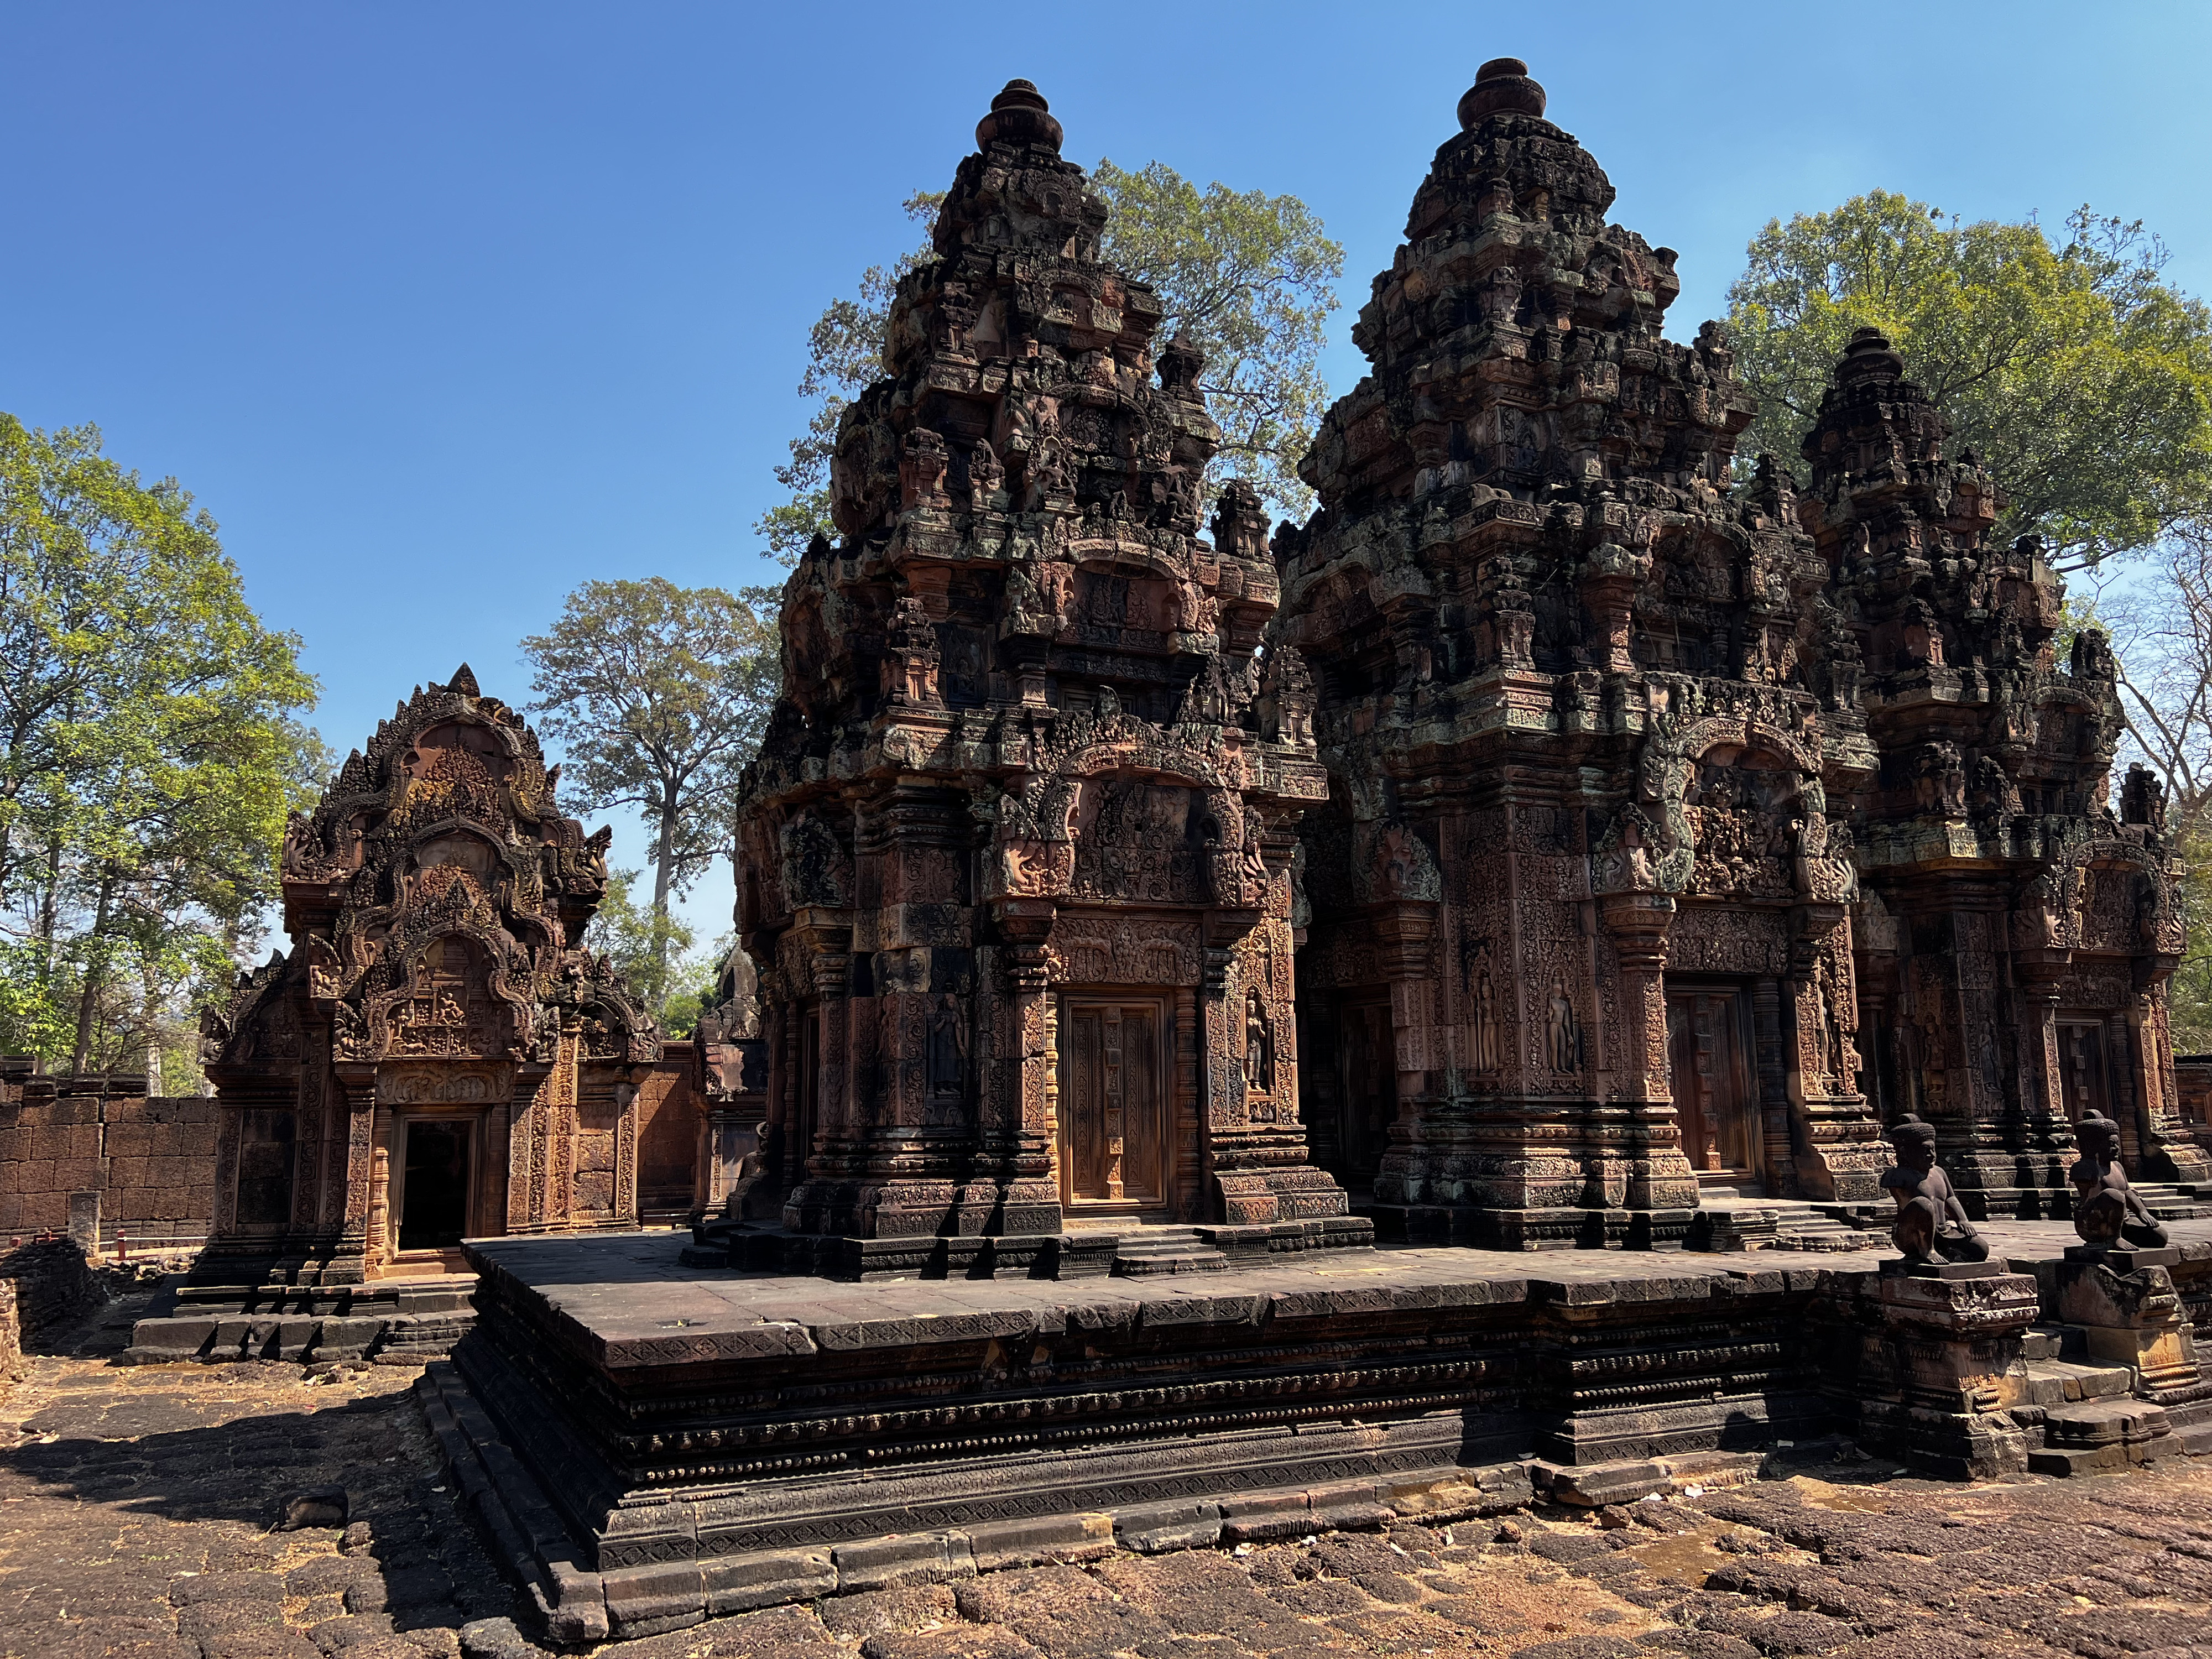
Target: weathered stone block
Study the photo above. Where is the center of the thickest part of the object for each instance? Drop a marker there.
(738, 1583)
(891, 1562)
(1263, 1517)
(1156, 1528)
(1605, 1483)
(643, 1600)
(997, 1544)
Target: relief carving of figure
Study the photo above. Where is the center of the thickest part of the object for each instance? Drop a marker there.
(2036, 921)
(985, 476)
(1487, 1048)
(813, 863)
(1563, 1031)
(1259, 1045)
(947, 1048)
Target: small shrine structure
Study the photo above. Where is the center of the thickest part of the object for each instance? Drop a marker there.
(1680, 832)
(437, 1056)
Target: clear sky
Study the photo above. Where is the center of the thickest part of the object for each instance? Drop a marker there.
(442, 309)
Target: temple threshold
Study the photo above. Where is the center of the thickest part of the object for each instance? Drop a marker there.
(651, 1444)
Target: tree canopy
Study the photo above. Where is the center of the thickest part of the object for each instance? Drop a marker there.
(2080, 379)
(1250, 277)
(658, 695)
(150, 747)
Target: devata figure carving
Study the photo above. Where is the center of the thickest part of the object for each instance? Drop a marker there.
(2107, 1210)
(1930, 1220)
(1259, 1045)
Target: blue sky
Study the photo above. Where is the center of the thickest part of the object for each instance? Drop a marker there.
(441, 310)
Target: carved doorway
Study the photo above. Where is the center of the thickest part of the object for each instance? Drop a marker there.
(1114, 1100)
(2083, 1084)
(1709, 1052)
(1367, 1088)
(434, 1186)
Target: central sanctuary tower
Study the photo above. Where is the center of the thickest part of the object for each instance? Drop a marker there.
(1015, 861)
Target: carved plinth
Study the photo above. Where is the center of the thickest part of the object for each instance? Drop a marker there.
(2125, 1305)
(1940, 1375)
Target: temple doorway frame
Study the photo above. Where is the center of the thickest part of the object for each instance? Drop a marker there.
(1076, 1001)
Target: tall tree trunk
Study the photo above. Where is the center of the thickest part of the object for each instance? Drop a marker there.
(50, 902)
(664, 855)
(95, 967)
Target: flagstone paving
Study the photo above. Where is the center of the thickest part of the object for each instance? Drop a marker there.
(136, 1508)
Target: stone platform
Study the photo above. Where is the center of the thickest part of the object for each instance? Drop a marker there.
(650, 1443)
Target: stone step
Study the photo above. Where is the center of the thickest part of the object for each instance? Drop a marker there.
(1724, 1222)
(2171, 1202)
(2097, 1436)
(1156, 1250)
(2058, 1382)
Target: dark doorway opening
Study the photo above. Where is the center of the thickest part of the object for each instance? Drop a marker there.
(1367, 1089)
(436, 1211)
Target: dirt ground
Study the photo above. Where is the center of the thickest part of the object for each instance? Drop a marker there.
(136, 1508)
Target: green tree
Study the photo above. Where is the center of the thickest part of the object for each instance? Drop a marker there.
(2160, 620)
(1251, 280)
(844, 353)
(650, 948)
(1250, 277)
(2080, 379)
(658, 695)
(150, 750)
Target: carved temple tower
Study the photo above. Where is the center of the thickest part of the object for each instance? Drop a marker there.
(2015, 935)
(1581, 929)
(437, 1056)
(1015, 861)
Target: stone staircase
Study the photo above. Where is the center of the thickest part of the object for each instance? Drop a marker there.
(417, 1339)
(1150, 1251)
(2171, 1202)
(1729, 1220)
(2083, 1412)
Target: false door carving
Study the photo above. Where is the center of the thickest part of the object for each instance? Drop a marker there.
(1114, 1104)
(1714, 1099)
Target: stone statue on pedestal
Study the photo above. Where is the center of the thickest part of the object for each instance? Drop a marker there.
(2107, 1210)
(1930, 1220)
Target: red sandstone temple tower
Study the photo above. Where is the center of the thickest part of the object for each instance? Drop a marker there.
(1581, 915)
(1015, 861)
(437, 1055)
(2014, 935)
(1666, 821)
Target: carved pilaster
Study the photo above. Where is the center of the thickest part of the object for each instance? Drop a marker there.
(1660, 1176)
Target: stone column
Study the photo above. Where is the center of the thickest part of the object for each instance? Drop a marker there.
(383, 1225)
(1021, 1131)
(357, 1091)
(1842, 1157)
(1661, 1186)
(815, 1203)
(1775, 1076)
(2166, 1152)
(2038, 975)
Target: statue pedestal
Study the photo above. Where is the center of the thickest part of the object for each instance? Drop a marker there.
(1945, 1367)
(2128, 1313)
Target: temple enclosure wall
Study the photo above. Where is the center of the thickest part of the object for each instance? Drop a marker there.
(150, 1159)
